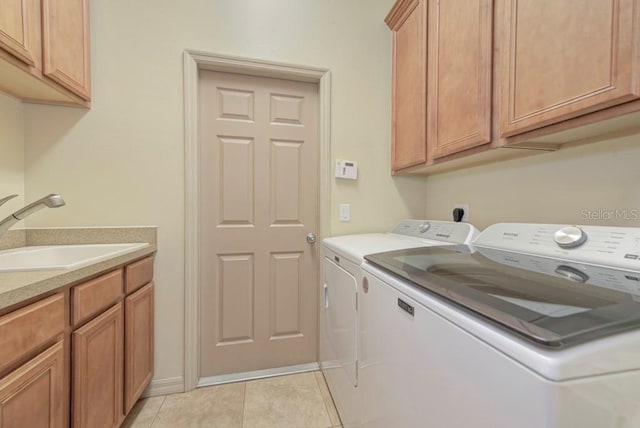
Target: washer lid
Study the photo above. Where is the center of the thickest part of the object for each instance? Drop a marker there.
(550, 302)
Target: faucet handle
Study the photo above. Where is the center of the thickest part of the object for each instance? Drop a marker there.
(6, 199)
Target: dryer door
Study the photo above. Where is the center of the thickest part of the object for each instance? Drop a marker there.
(339, 317)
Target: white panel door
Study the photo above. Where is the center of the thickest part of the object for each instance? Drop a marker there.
(258, 201)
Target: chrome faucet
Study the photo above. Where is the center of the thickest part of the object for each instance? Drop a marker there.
(6, 199)
(51, 201)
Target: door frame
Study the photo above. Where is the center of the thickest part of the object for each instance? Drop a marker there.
(193, 62)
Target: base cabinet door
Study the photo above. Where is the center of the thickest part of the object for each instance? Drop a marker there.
(563, 59)
(138, 369)
(33, 395)
(97, 371)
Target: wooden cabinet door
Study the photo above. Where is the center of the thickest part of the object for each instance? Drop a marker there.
(20, 29)
(564, 58)
(65, 25)
(138, 347)
(459, 83)
(33, 395)
(97, 362)
(408, 22)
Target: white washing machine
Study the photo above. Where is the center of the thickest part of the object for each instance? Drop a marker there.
(534, 326)
(342, 256)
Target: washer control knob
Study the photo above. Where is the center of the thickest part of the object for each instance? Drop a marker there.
(570, 237)
(424, 227)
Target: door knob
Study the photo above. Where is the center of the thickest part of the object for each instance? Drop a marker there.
(311, 238)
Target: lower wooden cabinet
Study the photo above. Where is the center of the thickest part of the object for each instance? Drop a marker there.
(138, 332)
(33, 395)
(91, 343)
(112, 353)
(97, 371)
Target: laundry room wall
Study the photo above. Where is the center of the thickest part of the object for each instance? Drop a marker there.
(122, 162)
(11, 153)
(594, 184)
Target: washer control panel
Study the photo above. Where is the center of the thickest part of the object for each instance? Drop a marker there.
(617, 247)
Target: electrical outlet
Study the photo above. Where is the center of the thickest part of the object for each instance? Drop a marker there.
(465, 207)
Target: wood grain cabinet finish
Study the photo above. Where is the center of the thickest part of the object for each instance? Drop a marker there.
(564, 58)
(97, 371)
(92, 297)
(138, 326)
(460, 71)
(408, 23)
(27, 330)
(33, 395)
(442, 73)
(107, 365)
(44, 51)
(19, 28)
(112, 361)
(138, 274)
(65, 27)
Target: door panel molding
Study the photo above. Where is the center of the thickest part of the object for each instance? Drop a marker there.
(236, 282)
(284, 113)
(286, 295)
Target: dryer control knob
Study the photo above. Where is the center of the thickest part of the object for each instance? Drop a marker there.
(423, 227)
(570, 237)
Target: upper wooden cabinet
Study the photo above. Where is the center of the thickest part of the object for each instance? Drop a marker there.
(65, 26)
(459, 70)
(441, 80)
(564, 58)
(19, 21)
(408, 23)
(44, 51)
(564, 71)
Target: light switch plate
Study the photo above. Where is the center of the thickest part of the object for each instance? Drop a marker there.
(345, 213)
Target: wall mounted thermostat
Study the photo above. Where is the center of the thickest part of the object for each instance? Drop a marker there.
(346, 169)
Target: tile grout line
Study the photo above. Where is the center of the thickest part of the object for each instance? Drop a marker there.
(244, 399)
(326, 409)
(153, 421)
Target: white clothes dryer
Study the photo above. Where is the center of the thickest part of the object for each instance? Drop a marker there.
(341, 277)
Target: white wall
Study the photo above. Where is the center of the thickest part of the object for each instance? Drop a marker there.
(121, 163)
(562, 187)
(11, 153)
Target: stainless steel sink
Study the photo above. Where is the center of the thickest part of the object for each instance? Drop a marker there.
(53, 257)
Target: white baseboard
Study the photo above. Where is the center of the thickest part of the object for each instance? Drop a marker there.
(175, 385)
(257, 374)
(171, 385)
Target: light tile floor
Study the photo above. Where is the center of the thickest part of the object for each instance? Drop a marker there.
(294, 401)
